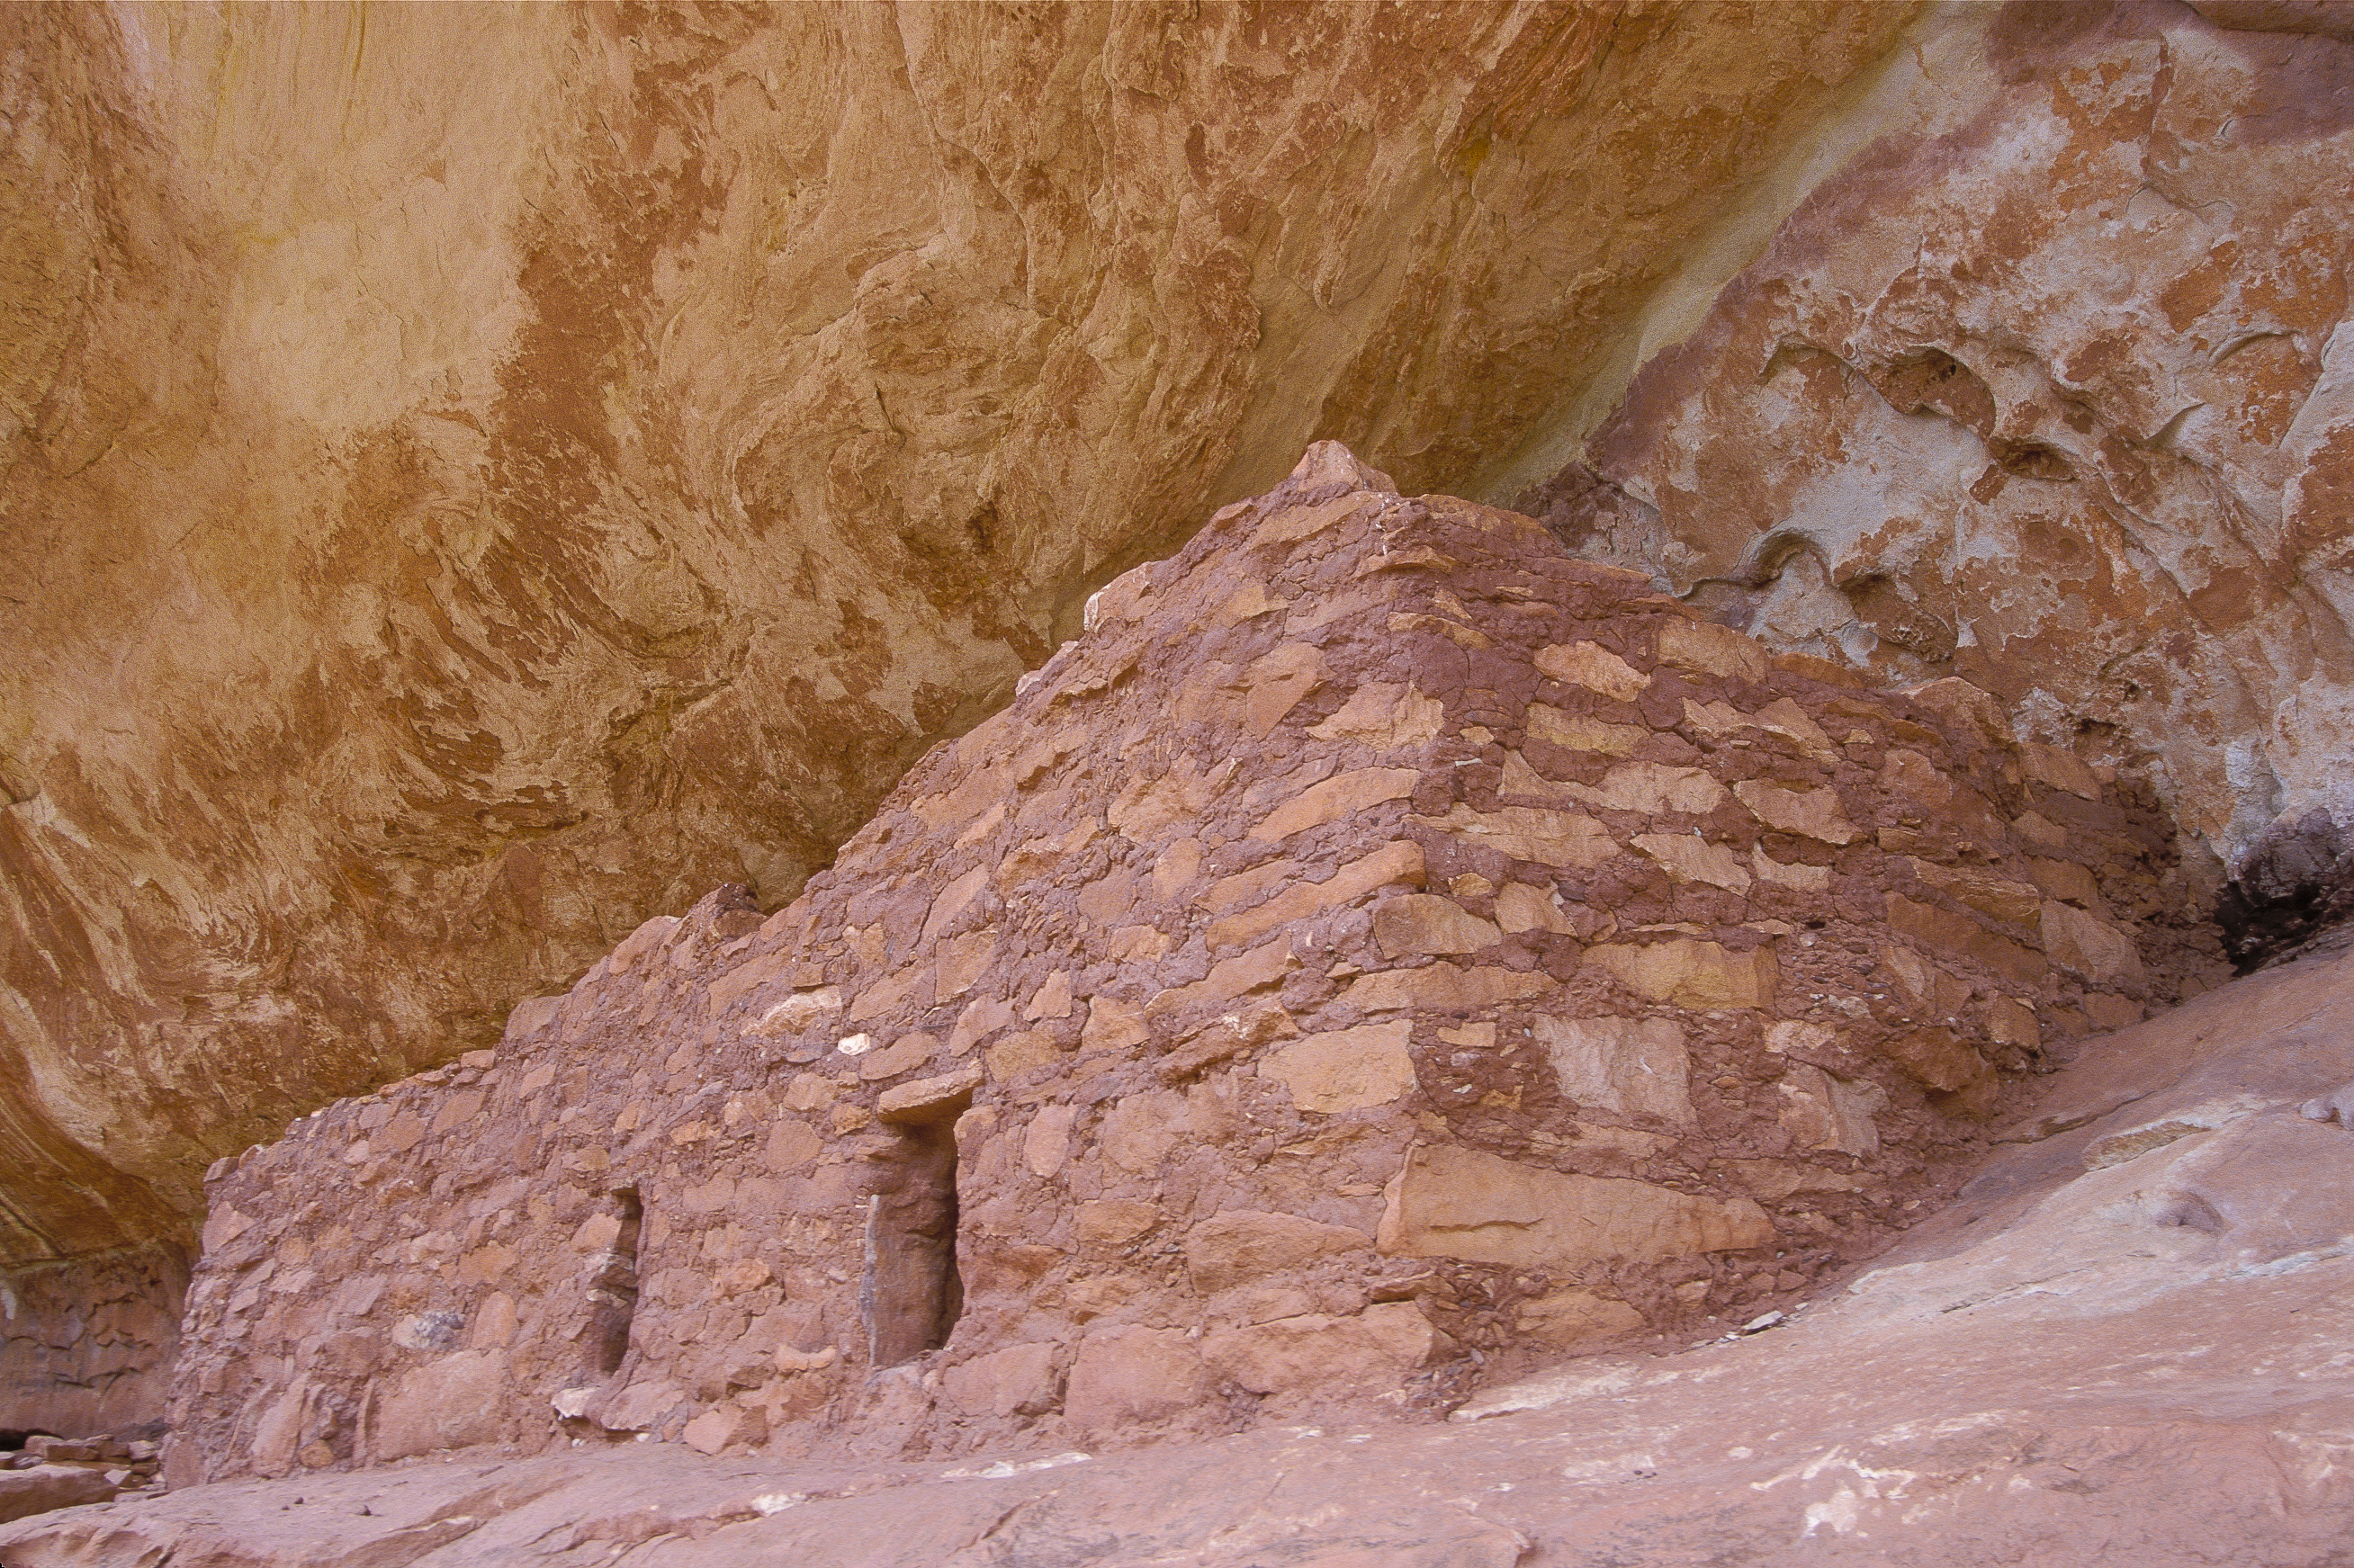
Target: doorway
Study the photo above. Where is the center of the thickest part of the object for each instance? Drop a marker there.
(912, 1294)
(613, 1290)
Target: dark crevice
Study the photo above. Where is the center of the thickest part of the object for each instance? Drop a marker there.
(2297, 883)
(1933, 379)
(2033, 460)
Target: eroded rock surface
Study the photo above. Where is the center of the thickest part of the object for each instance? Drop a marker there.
(2047, 386)
(87, 1345)
(1381, 941)
(2090, 1357)
(476, 477)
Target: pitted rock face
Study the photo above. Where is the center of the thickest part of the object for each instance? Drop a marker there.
(2048, 387)
(1381, 938)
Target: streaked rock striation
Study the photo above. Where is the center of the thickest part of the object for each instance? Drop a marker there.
(477, 477)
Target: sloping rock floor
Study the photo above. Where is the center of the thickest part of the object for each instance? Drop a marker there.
(2129, 1339)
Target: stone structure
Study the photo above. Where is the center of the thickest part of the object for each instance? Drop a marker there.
(2123, 1341)
(595, 470)
(1381, 938)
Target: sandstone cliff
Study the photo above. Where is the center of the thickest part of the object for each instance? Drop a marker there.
(479, 476)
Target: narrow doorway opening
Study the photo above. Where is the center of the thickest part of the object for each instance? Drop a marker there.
(612, 1287)
(913, 1293)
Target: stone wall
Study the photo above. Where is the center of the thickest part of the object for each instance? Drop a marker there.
(1380, 938)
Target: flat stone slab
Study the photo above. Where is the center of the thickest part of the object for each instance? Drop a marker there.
(43, 1487)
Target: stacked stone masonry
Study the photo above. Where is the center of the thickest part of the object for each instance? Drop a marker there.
(1380, 938)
